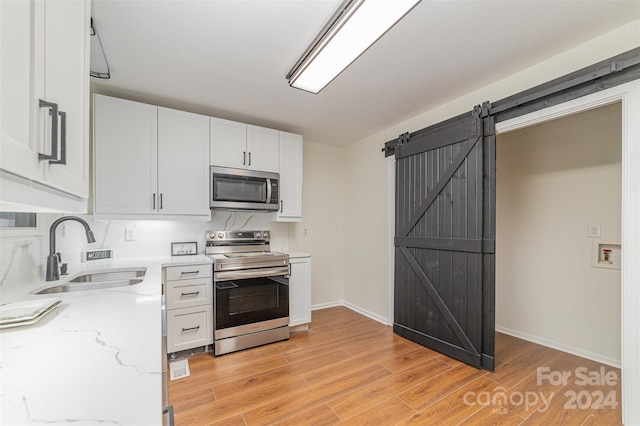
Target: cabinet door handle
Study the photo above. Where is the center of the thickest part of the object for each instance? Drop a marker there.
(53, 112)
(193, 293)
(160, 201)
(244, 158)
(191, 328)
(281, 205)
(63, 140)
(154, 201)
(189, 272)
(249, 160)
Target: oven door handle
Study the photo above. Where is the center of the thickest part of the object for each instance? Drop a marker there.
(253, 273)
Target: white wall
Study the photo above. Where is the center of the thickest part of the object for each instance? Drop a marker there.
(365, 229)
(322, 201)
(365, 168)
(553, 180)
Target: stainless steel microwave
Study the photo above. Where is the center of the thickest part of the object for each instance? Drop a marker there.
(240, 189)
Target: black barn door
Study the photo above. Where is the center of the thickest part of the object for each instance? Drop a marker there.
(445, 238)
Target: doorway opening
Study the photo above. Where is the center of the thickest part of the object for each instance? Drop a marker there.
(559, 189)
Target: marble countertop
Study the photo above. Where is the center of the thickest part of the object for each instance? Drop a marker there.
(297, 254)
(95, 359)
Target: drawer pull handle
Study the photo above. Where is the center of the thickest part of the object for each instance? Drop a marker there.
(191, 328)
(189, 272)
(193, 293)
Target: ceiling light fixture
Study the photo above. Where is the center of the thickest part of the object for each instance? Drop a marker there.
(98, 67)
(355, 26)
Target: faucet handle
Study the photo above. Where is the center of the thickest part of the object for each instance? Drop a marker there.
(63, 269)
(59, 256)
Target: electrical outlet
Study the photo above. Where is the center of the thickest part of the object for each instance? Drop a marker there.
(130, 234)
(594, 230)
(306, 232)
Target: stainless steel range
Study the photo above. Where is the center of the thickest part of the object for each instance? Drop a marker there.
(251, 290)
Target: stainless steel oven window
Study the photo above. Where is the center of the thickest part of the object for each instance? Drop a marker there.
(246, 301)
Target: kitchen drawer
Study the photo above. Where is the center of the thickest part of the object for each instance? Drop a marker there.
(189, 272)
(187, 293)
(189, 328)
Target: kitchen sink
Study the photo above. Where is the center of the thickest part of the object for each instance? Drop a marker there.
(96, 280)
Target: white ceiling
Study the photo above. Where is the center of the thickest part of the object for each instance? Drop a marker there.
(229, 58)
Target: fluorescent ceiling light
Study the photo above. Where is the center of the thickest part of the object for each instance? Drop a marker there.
(355, 26)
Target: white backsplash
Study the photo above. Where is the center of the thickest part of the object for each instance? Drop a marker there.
(23, 258)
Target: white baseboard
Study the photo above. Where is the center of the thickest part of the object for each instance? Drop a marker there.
(353, 307)
(561, 347)
(327, 305)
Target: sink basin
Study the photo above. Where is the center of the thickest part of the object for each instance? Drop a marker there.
(95, 280)
(109, 275)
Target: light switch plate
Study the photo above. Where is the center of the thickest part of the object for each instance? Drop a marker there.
(184, 249)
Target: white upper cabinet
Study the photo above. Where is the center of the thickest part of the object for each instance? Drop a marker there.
(183, 162)
(149, 161)
(262, 149)
(290, 169)
(68, 86)
(228, 143)
(44, 81)
(243, 146)
(19, 97)
(125, 156)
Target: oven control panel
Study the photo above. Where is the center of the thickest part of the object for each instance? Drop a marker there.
(237, 236)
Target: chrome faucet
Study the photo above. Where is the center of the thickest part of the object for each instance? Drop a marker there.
(53, 270)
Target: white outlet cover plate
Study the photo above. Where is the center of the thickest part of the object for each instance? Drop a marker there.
(129, 234)
(594, 230)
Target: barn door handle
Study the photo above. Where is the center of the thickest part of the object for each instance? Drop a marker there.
(53, 112)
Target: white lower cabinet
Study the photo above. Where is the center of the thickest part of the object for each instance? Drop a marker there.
(300, 291)
(188, 294)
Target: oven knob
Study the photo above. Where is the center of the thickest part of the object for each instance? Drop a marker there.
(220, 235)
(212, 236)
(257, 234)
(265, 235)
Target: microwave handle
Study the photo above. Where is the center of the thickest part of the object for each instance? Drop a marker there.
(268, 191)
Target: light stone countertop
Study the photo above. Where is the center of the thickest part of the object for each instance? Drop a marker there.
(95, 359)
(297, 254)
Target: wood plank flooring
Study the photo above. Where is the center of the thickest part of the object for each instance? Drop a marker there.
(348, 369)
